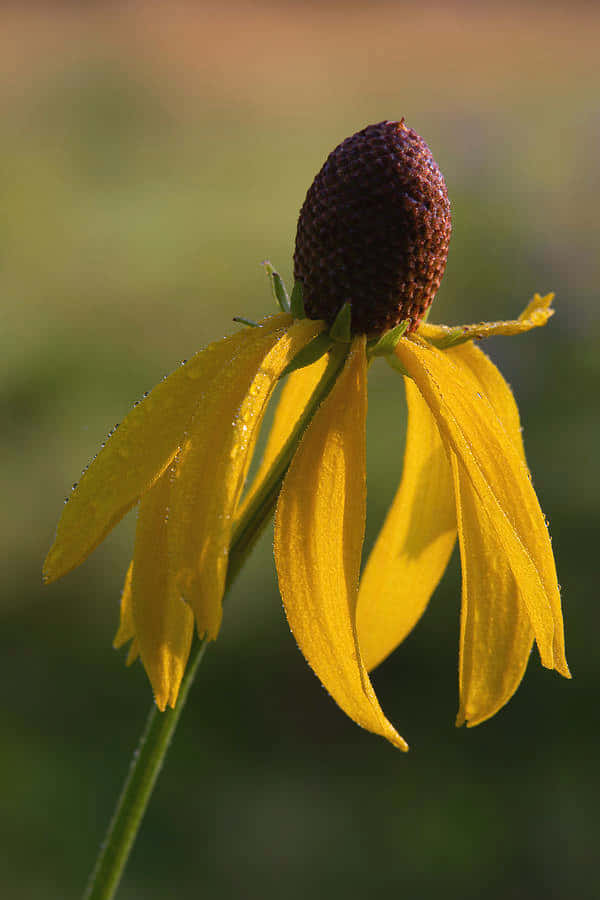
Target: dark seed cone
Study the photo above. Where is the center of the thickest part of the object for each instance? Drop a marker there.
(374, 230)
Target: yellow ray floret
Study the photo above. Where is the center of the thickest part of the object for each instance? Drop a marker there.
(319, 528)
(126, 629)
(295, 395)
(163, 622)
(495, 635)
(536, 313)
(139, 452)
(415, 542)
(212, 467)
(496, 471)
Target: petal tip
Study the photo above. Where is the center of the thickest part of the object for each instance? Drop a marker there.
(161, 702)
(563, 669)
(477, 716)
(49, 573)
(132, 655)
(391, 735)
(57, 563)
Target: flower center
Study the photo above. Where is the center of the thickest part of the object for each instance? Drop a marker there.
(374, 230)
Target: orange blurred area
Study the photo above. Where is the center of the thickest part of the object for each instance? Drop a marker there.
(258, 53)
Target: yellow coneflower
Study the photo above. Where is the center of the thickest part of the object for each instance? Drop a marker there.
(370, 252)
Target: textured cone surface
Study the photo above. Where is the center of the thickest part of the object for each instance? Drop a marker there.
(374, 230)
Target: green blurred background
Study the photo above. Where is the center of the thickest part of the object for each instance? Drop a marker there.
(151, 156)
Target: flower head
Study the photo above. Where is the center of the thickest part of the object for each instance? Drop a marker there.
(374, 230)
(183, 454)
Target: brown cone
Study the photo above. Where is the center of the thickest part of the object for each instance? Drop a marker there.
(374, 230)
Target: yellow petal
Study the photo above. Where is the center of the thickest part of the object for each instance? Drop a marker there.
(495, 634)
(319, 528)
(415, 543)
(294, 397)
(134, 652)
(496, 637)
(471, 360)
(488, 458)
(213, 465)
(536, 313)
(126, 630)
(164, 624)
(138, 452)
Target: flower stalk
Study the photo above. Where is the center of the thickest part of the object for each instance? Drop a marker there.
(146, 764)
(148, 758)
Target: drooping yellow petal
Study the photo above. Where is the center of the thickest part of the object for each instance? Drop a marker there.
(134, 652)
(496, 636)
(163, 622)
(126, 629)
(536, 313)
(213, 465)
(471, 360)
(139, 451)
(294, 397)
(319, 528)
(500, 479)
(415, 543)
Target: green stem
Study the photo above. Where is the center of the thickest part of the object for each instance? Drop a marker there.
(145, 767)
(149, 757)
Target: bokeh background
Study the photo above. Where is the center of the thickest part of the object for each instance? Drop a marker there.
(151, 156)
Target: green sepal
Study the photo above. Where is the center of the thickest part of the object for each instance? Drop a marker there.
(243, 321)
(387, 342)
(278, 287)
(297, 301)
(341, 327)
(309, 354)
